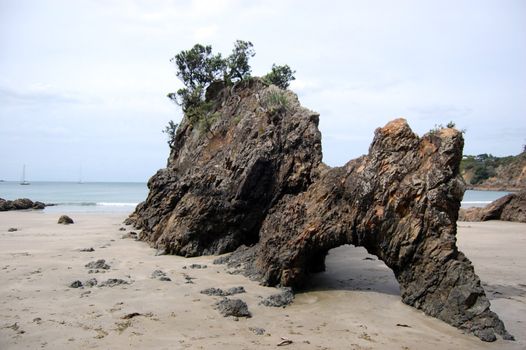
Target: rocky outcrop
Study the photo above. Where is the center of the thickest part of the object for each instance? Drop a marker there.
(219, 185)
(511, 207)
(255, 183)
(20, 204)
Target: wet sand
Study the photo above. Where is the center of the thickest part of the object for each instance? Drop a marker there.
(355, 304)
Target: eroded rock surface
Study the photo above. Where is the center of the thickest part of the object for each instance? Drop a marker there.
(511, 207)
(255, 182)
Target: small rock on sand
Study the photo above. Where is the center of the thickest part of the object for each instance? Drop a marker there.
(281, 299)
(257, 330)
(65, 220)
(75, 284)
(12, 229)
(233, 307)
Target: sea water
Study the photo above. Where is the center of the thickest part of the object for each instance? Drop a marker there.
(79, 197)
(124, 196)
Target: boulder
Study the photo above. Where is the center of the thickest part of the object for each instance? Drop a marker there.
(254, 183)
(511, 207)
(5, 205)
(38, 205)
(22, 203)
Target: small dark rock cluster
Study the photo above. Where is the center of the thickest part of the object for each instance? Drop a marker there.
(20, 204)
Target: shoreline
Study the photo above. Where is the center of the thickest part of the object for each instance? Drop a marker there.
(354, 304)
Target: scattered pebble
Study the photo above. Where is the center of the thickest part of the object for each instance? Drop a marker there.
(160, 275)
(188, 279)
(257, 330)
(403, 325)
(90, 249)
(122, 229)
(196, 266)
(12, 229)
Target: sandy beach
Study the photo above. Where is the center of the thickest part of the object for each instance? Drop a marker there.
(355, 304)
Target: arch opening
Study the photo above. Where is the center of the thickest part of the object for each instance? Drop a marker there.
(352, 268)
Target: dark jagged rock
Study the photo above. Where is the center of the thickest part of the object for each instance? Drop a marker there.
(20, 204)
(511, 207)
(256, 182)
(65, 220)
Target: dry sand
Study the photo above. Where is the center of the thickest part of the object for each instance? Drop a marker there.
(354, 305)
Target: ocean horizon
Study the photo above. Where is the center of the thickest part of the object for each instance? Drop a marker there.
(125, 196)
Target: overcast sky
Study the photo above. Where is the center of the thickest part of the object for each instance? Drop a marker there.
(83, 84)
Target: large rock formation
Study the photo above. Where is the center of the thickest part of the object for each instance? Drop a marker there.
(255, 182)
(511, 207)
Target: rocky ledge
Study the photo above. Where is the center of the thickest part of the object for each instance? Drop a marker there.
(254, 183)
(20, 204)
(511, 207)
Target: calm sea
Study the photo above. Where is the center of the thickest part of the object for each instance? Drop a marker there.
(124, 196)
(79, 197)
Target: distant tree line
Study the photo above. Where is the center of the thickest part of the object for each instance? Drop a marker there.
(483, 166)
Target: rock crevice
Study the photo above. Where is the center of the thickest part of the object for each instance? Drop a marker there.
(255, 184)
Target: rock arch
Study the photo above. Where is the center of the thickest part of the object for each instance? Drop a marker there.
(256, 184)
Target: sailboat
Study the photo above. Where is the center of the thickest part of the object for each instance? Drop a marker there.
(24, 182)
